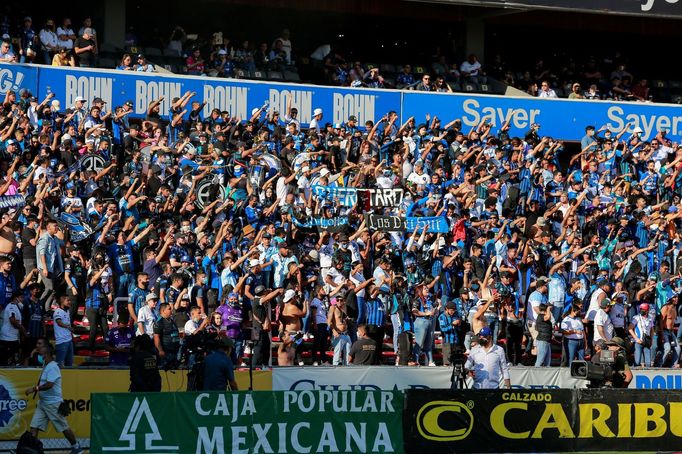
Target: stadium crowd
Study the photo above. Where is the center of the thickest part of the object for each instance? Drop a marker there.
(216, 55)
(255, 229)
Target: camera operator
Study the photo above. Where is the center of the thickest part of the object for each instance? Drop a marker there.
(144, 367)
(449, 322)
(622, 376)
(218, 367)
(487, 362)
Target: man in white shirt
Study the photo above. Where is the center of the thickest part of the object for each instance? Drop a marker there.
(545, 91)
(603, 327)
(195, 323)
(286, 44)
(49, 388)
(146, 316)
(315, 122)
(63, 332)
(66, 35)
(487, 363)
(471, 69)
(49, 41)
(418, 176)
(9, 332)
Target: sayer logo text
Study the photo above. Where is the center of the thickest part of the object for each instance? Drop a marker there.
(10, 81)
(151, 433)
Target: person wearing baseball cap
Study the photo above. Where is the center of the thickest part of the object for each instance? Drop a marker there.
(487, 363)
(641, 330)
(603, 326)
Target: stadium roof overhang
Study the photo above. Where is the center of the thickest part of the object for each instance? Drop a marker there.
(642, 8)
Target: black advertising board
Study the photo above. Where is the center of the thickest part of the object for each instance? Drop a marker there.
(562, 420)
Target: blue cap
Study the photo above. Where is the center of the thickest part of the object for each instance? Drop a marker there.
(485, 332)
(238, 170)
(233, 295)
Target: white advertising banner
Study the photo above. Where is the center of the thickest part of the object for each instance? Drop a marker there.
(360, 378)
(386, 378)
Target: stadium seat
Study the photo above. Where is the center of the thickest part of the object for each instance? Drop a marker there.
(389, 81)
(291, 76)
(172, 53)
(152, 52)
(241, 74)
(275, 75)
(469, 88)
(258, 75)
(387, 68)
(418, 69)
(674, 84)
(484, 88)
(659, 84)
(106, 62)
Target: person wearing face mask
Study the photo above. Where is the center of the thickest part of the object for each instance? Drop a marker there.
(487, 363)
(343, 253)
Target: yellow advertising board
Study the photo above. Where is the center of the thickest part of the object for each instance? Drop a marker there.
(16, 409)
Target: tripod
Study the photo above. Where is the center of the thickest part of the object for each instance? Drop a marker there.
(458, 379)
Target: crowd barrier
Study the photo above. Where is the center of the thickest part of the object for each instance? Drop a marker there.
(560, 118)
(411, 421)
(16, 409)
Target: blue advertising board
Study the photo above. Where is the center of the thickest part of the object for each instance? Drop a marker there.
(238, 97)
(563, 119)
(560, 118)
(16, 77)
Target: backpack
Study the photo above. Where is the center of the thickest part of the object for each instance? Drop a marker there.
(28, 444)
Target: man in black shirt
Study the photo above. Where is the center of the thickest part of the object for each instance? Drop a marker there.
(363, 352)
(29, 240)
(166, 336)
(85, 48)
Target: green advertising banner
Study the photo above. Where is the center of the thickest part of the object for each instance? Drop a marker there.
(248, 422)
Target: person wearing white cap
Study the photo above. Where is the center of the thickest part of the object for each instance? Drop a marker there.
(79, 109)
(292, 316)
(315, 122)
(146, 316)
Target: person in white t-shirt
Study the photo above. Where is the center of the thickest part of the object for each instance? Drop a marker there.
(418, 176)
(63, 332)
(66, 35)
(603, 326)
(315, 122)
(146, 316)
(286, 44)
(49, 388)
(9, 332)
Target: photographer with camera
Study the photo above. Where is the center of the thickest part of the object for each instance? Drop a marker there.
(487, 363)
(219, 369)
(617, 371)
(144, 366)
